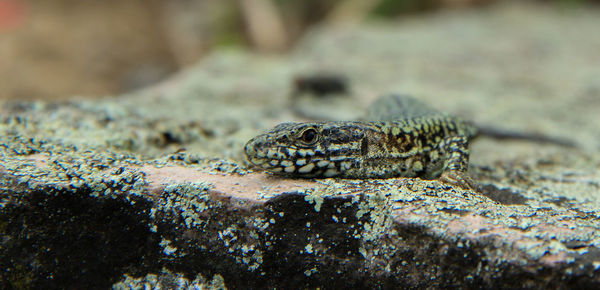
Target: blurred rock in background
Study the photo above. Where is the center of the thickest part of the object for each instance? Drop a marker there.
(64, 48)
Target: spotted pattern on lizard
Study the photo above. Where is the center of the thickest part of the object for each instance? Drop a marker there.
(400, 137)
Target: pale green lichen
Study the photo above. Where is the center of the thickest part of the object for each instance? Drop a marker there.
(189, 200)
(227, 236)
(167, 248)
(311, 271)
(308, 249)
(167, 279)
(245, 253)
(316, 200)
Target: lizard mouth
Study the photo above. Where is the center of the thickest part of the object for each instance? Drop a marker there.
(268, 158)
(262, 156)
(288, 161)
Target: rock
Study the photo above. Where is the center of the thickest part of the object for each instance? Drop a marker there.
(151, 188)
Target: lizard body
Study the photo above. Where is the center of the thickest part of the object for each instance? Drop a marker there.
(400, 137)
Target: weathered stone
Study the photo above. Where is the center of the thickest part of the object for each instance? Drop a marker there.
(152, 189)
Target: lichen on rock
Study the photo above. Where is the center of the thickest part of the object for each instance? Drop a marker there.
(151, 188)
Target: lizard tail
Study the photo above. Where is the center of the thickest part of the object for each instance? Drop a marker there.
(525, 136)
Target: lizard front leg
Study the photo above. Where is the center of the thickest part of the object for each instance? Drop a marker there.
(455, 151)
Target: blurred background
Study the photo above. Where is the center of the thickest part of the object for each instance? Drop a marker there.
(68, 48)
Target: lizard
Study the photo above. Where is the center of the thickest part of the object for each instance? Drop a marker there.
(399, 137)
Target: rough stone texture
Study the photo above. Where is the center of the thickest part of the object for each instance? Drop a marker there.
(151, 188)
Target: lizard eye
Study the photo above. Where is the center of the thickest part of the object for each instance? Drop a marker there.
(309, 136)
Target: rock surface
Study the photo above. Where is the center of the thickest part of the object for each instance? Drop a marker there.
(151, 188)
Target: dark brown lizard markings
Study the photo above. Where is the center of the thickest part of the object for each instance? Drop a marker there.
(364, 146)
(401, 137)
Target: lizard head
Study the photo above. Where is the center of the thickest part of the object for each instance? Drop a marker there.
(323, 149)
